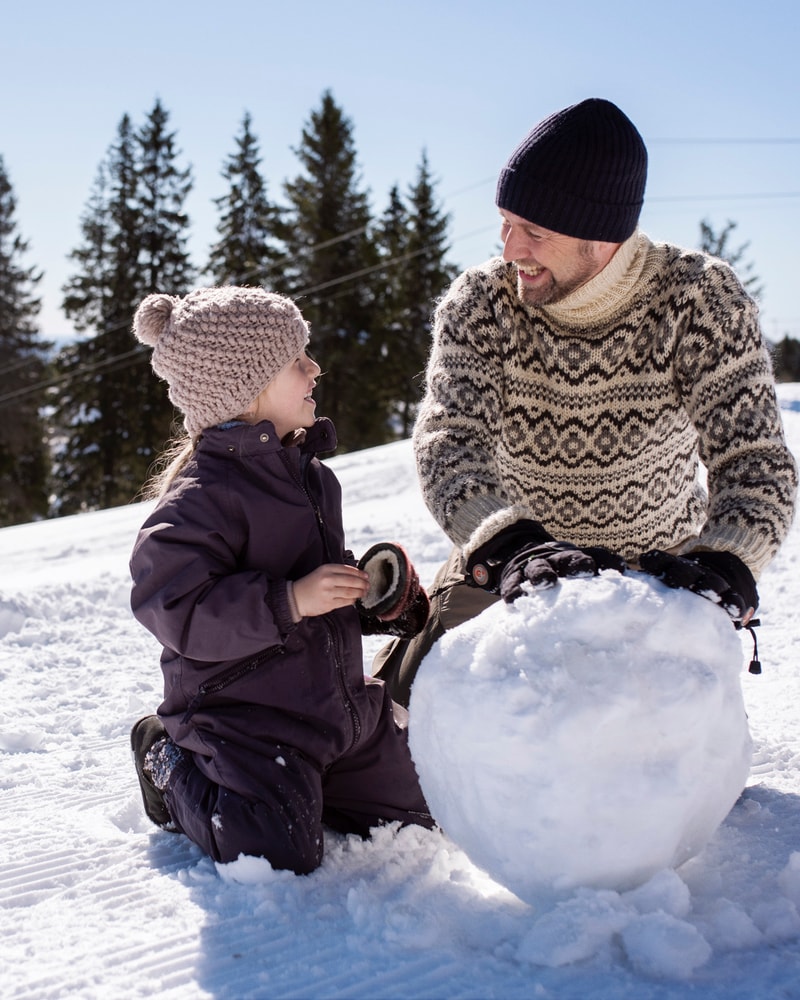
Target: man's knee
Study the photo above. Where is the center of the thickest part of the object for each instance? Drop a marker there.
(452, 603)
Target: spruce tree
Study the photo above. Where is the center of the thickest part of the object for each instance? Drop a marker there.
(24, 460)
(786, 359)
(164, 266)
(113, 416)
(332, 260)
(427, 275)
(413, 242)
(718, 244)
(164, 225)
(392, 237)
(249, 250)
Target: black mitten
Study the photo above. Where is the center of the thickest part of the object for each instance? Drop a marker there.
(526, 552)
(395, 604)
(720, 577)
(485, 565)
(542, 565)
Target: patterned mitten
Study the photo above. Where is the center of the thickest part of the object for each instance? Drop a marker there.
(395, 604)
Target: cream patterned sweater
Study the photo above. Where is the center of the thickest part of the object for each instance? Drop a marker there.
(593, 415)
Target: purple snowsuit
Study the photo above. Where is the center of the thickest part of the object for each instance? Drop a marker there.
(282, 728)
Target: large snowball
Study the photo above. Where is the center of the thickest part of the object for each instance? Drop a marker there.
(589, 735)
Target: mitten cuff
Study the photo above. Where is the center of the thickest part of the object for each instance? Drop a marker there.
(497, 524)
(410, 622)
(485, 564)
(391, 577)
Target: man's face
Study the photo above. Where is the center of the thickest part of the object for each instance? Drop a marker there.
(549, 265)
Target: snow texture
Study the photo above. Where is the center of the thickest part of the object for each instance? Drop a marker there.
(95, 902)
(553, 721)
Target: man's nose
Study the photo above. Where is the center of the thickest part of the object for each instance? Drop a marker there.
(515, 246)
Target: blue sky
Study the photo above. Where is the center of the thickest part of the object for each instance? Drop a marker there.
(463, 80)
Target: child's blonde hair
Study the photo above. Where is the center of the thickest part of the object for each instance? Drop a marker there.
(168, 466)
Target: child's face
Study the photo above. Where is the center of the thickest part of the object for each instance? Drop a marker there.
(287, 399)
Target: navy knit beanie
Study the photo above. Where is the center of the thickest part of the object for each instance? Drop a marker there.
(581, 172)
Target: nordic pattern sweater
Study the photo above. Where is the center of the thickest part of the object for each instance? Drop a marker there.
(637, 413)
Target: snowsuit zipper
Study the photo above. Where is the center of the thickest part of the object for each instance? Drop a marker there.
(227, 677)
(335, 648)
(355, 722)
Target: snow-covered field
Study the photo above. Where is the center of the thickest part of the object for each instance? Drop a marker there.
(95, 902)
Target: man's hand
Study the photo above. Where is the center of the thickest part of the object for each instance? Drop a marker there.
(720, 577)
(525, 552)
(543, 565)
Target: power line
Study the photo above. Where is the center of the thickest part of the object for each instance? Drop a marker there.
(90, 369)
(755, 141)
(723, 197)
(105, 364)
(21, 362)
(109, 364)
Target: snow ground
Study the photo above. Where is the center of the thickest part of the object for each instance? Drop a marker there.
(95, 902)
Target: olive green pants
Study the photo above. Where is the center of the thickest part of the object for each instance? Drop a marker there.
(453, 601)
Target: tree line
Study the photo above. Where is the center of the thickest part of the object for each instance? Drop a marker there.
(81, 427)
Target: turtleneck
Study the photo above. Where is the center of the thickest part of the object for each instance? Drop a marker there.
(607, 292)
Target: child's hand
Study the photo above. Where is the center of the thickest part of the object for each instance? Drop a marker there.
(331, 586)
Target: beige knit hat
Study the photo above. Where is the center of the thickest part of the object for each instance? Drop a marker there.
(218, 347)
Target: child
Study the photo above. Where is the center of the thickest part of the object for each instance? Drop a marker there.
(268, 727)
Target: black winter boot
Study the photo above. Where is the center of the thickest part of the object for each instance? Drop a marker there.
(145, 736)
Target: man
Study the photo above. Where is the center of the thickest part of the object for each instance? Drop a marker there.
(576, 384)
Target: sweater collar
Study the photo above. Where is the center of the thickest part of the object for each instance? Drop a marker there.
(608, 291)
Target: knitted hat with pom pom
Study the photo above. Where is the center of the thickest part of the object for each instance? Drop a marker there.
(217, 348)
